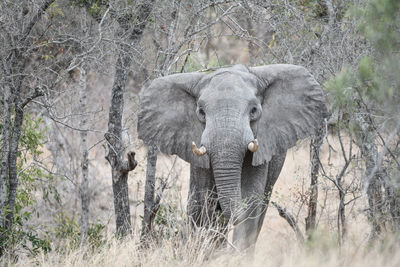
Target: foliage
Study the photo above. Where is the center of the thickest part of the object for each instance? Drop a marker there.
(31, 179)
(95, 235)
(168, 220)
(366, 100)
(376, 80)
(55, 9)
(93, 6)
(68, 230)
(375, 84)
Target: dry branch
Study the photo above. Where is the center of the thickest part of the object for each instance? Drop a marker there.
(290, 219)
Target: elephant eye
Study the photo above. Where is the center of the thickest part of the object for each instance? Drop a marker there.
(255, 113)
(201, 114)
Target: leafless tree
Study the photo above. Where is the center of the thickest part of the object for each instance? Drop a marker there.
(84, 188)
(132, 27)
(315, 150)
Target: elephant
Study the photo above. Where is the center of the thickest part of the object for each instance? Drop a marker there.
(233, 126)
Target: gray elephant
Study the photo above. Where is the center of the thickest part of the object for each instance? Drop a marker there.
(244, 119)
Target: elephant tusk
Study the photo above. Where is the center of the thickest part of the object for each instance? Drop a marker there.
(198, 151)
(253, 146)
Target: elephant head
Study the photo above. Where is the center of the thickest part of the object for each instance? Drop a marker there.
(263, 110)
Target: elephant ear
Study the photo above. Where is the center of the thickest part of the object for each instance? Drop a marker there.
(167, 116)
(293, 108)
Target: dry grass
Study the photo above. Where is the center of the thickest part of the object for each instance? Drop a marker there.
(195, 251)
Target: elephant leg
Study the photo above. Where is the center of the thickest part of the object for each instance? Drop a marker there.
(257, 185)
(253, 183)
(203, 208)
(202, 197)
(274, 169)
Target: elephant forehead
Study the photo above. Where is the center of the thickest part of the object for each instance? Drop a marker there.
(229, 85)
(221, 106)
(231, 80)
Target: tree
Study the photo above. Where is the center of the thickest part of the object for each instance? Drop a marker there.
(367, 99)
(132, 27)
(36, 59)
(18, 44)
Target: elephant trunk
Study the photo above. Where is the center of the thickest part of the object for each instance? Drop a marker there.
(226, 139)
(227, 175)
(227, 161)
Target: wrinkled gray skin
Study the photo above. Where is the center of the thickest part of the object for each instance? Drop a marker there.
(224, 111)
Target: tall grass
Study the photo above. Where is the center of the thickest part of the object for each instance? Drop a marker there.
(199, 250)
(175, 243)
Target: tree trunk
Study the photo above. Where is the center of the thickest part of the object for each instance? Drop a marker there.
(315, 148)
(133, 26)
(250, 45)
(12, 160)
(341, 222)
(149, 199)
(6, 133)
(366, 142)
(393, 202)
(374, 187)
(116, 146)
(84, 188)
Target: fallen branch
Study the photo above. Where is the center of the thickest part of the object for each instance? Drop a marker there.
(290, 219)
